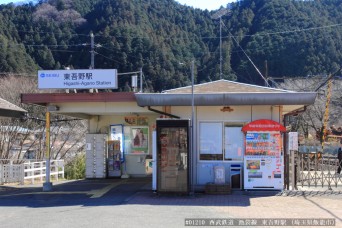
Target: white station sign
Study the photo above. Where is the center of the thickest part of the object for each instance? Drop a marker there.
(78, 79)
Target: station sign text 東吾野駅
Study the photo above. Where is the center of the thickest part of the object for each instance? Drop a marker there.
(78, 79)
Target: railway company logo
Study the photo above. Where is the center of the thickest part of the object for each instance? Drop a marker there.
(46, 75)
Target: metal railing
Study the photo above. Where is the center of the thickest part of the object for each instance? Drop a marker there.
(12, 171)
(317, 169)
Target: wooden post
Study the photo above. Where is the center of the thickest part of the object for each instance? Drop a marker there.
(41, 171)
(47, 186)
(1, 174)
(22, 174)
(32, 172)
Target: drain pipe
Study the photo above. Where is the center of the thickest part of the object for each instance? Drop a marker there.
(163, 113)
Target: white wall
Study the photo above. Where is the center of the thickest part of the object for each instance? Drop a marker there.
(203, 170)
(135, 164)
(103, 108)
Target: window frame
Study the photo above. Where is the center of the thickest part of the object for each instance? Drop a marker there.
(219, 157)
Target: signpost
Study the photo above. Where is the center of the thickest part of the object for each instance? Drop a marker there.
(292, 147)
(78, 79)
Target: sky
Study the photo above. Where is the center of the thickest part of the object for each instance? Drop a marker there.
(14, 1)
(202, 4)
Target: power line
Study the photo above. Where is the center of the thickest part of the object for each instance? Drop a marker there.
(103, 46)
(62, 50)
(54, 33)
(242, 36)
(201, 37)
(108, 58)
(256, 68)
(48, 45)
(17, 74)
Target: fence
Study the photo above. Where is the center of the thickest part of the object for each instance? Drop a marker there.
(29, 170)
(316, 169)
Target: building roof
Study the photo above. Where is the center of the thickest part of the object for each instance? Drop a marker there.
(225, 86)
(217, 93)
(223, 92)
(8, 109)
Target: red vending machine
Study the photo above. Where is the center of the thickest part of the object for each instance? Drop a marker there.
(264, 155)
(173, 156)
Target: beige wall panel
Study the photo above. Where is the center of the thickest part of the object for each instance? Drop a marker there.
(102, 108)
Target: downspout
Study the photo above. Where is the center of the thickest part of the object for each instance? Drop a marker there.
(163, 113)
(294, 112)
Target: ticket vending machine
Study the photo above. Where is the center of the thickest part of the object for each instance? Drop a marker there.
(172, 155)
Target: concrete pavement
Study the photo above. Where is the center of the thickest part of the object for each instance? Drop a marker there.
(128, 203)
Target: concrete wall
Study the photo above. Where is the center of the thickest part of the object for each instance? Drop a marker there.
(203, 171)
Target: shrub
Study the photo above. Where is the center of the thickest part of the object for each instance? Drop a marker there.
(75, 169)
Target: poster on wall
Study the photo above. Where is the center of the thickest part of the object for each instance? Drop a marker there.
(116, 133)
(263, 161)
(139, 139)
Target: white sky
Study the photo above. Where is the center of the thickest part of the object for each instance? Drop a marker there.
(14, 1)
(206, 4)
(202, 4)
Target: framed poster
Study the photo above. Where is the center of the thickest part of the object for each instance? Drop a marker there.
(139, 139)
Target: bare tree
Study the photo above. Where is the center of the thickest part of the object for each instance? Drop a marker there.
(312, 120)
(18, 136)
(49, 12)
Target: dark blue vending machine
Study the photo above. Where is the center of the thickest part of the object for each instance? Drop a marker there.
(114, 159)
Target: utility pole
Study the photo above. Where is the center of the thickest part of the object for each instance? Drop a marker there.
(92, 61)
(221, 48)
(192, 126)
(218, 15)
(266, 74)
(92, 64)
(141, 82)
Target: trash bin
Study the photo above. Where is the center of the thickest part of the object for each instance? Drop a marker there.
(236, 176)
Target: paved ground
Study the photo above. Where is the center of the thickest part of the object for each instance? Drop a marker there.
(128, 203)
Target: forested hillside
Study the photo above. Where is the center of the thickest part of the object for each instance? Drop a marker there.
(296, 38)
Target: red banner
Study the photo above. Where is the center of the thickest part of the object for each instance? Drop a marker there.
(263, 125)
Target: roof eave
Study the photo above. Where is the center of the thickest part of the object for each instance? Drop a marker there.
(46, 98)
(224, 99)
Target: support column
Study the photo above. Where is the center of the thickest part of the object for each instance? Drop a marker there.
(47, 186)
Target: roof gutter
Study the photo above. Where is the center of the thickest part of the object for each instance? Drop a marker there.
(294, 113)
(219, 99)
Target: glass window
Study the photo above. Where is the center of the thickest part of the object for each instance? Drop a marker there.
(233, 143)
(210, 142)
